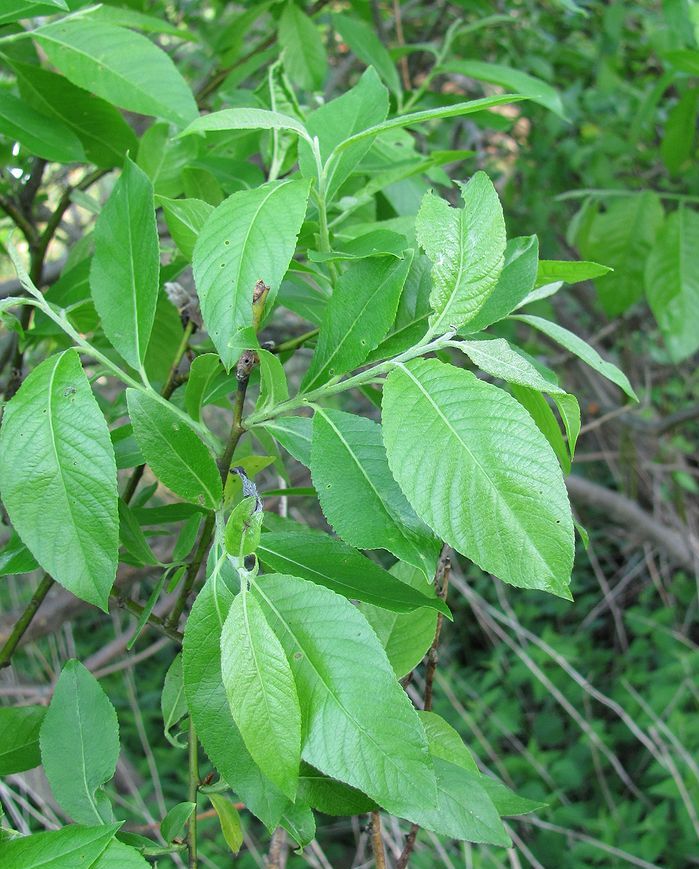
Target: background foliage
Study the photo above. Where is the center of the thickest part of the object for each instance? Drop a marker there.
(590, 708)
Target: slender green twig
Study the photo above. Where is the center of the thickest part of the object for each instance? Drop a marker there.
(24, 621)
(193, 792)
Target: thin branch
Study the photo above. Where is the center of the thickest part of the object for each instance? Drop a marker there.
(24, 621)
(377, 841)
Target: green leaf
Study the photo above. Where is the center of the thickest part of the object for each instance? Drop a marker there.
(132, 537)
(298, 820)
(44, 136)
(118, 855)
(124, 276)
(445, 742)
(105, 135)
(67, 518)
(358, 495)
(19, 738)
(120, 66)
(347, 732)
(303, 52)
(329, 796)
(505, 801)
(413, 119)
(261, 693)
(672, 282)
(406, 637)
(413, 311)
(622, 237)
(542, 414)
(202, 373)
(165, 338)
(173, 450)
(80, 745)
(475, 467)
(680, 131)
(572, 272)
(229, 819)
(294, 434)
(73, 846)
(244, 119)
(251, 236)
(208, 704)
(173, 823)
(315, 556)
(15, 558)
(172, 702)
(361, 107)
(516, 280)
(185, 219)
(364, 42)
(580, 348)
(357, 316)
(495, 356)
(466, 246)
(532, 88)
(242, 533)
(273, 385)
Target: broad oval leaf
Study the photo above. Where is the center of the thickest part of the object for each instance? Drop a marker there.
(19, 738)
(122, 67)
(327, 561)
(124, 277)
(58, 478)
(357, 316)
(346, 731)
(174, 451)
(261, 692)
(358, 494)
(466, 246)
(476, 468)
(80, 745)
(208, 704)
(251, 236)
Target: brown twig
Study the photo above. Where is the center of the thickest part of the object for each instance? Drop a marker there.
(377, 841)
(278, 848)
(441, 581)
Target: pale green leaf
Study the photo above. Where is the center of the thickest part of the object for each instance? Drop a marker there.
(542, 414)
(569, 271)
(362, 107)
(466, 246)
(242, 532)
(251, 236)
(347, 733)
(185, 218)
(580, 348)
(475, 467)
(672, 282)
(118, 855)
(202, 373)
(73, 846)
(364, 42)
(104, 133)
(327, 561)
(19, 738)
(498, 358)
(516, 280)
(173, 823)
(132, 537)
(208, 704)
(413, 311)
(357, 316)
(261, 692)
(622, 237)
(358, 494)
(229, 819)
(68, 519)
(303, 52)
(406, 637)
(15, 558)
(273, 385)
(80, 745)
(173, 706)
(47, 137)
(124, 276)
(120, 66)
(445, 742)
(532, 88)
(174, 451)
(244, 119)
(294, 434)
